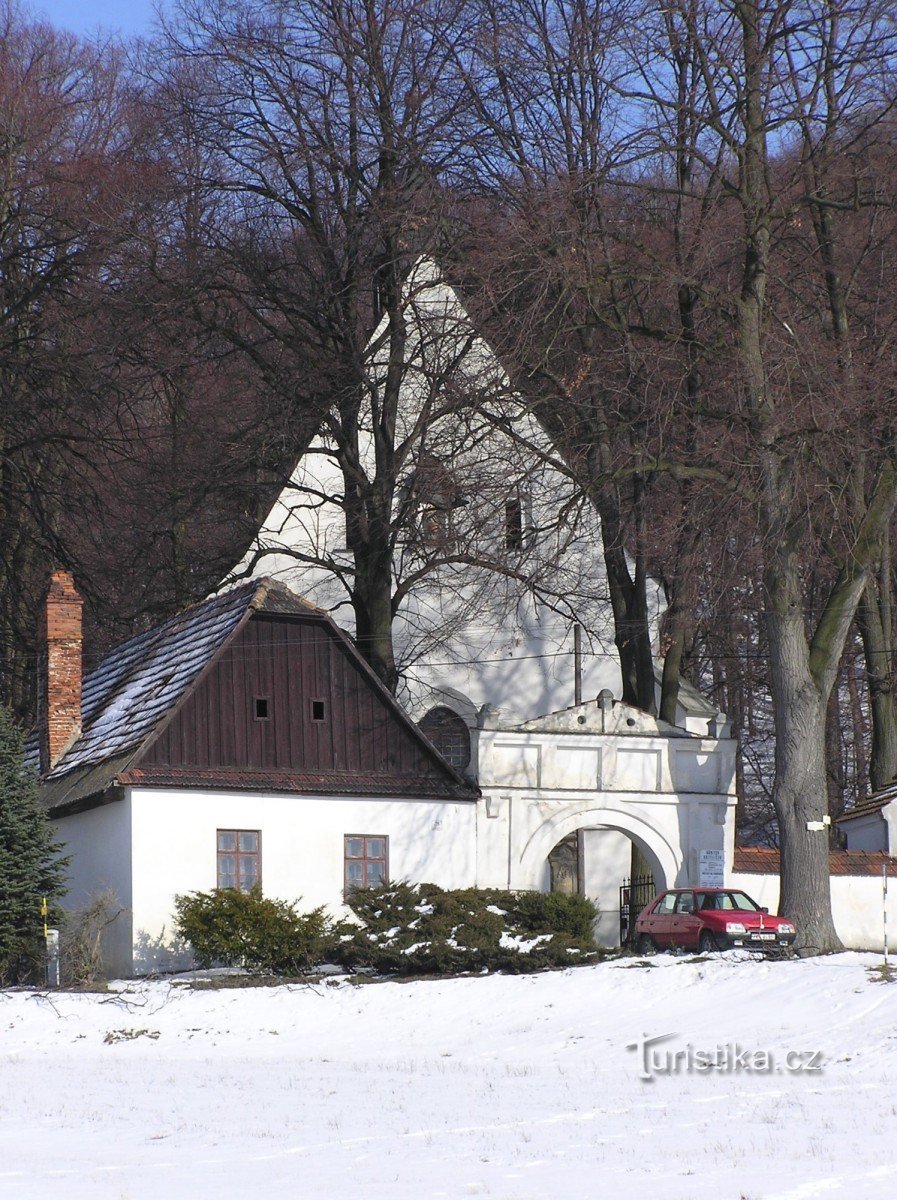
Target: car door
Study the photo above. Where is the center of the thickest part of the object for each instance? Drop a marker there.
(685, 924)
(657, 923)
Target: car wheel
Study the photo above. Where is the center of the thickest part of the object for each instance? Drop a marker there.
(707, 943)
(645, 944)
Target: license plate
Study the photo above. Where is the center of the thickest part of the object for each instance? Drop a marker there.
(764, 937)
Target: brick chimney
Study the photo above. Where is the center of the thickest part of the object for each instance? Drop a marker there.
(59, 670)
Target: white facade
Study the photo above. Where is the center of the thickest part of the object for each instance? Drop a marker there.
(874, 827)
(585, 770)
(153, 844)
(498, 627)
(617, 778)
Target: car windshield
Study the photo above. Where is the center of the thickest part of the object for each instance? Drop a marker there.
(728, 901)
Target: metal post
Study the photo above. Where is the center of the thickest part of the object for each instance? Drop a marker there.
(52, 936)
(884, 905)
(577, 663)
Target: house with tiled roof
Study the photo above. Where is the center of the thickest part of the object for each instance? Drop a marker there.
(244, 740)
(872, 824)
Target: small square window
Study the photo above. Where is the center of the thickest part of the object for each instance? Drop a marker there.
(318, 710)
(261, 708)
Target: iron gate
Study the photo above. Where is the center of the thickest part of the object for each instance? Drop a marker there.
(635, 893)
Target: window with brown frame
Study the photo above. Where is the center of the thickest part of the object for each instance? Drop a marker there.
(365, 860)
(449, 734)
(239, 858)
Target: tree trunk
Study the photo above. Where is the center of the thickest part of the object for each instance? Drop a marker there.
(372, 603)
(799, 703)
(799, 794)
(877, 654)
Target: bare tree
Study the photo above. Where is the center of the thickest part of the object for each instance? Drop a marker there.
(332, 130)
(58, 177)
(550, 286)
(816, 480)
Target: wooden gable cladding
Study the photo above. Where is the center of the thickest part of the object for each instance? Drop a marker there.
(287, 694)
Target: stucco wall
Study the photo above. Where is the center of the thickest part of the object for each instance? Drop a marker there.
(867, 833)
(856, 905)
(174, 847)
(99, 845)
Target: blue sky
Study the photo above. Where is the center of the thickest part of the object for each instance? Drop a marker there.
(126, 17)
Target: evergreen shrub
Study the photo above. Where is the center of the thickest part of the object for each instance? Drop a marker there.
(423, 929)
(230, 928)
(402, 929)
(31, 866)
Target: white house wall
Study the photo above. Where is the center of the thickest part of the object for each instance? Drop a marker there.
(174, 849)
(867, 833)
(98, 843)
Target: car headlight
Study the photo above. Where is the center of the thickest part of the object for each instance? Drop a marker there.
(734, 927)
(786, 927)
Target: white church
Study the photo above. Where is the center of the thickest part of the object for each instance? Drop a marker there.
(246, 740)
(512, 672)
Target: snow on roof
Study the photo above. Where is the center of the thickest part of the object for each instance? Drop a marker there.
(138, 683)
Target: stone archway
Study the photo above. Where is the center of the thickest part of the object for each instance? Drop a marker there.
(601, 835)
(665, 860)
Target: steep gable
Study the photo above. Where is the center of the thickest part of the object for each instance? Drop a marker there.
(289, 704)
(174, 706)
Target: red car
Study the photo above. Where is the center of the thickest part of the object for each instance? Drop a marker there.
(709, 919)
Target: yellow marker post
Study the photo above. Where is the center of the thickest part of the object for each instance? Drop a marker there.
(43, 913)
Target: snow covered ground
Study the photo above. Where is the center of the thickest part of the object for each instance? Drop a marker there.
(505, 1087)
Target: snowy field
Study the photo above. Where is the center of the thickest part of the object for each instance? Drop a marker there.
(511, 1087)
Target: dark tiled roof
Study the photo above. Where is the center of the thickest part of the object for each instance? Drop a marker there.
(759, 860)
(350, 783)
(137, 686)
(874, 804)
(139, 682)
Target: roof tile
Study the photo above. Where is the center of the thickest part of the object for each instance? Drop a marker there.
(139, 682)
(762, 860)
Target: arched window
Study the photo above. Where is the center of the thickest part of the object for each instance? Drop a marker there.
(449, 735)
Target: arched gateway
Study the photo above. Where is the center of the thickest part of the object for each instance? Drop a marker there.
(666, 861)
(588, 797)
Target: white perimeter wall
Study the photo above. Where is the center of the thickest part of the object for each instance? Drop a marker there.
(174, 848)
(856, 905)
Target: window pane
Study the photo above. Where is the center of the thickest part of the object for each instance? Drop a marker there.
(449, 735)
(227, 871)
(227, 839)
(354, 847)
(354, 876)
(374, 873)
(249, 842)
(376, 848)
